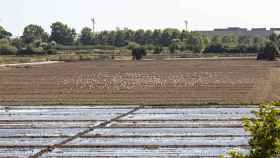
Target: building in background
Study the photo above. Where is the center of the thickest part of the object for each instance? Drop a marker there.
(254, 32)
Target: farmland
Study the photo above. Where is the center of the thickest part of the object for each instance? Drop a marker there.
(110, 108)
(169, 82)
(121, 131)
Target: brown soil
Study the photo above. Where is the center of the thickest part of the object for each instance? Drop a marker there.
(227, 81)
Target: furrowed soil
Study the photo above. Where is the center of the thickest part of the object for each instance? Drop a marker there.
(191, 81)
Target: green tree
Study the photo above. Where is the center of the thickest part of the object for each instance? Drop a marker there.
(110, 37)
(33, 33)
(174, 45)
(216, 40)
(168, 35)
(6, 48)
(148, 37)
(156, 36)
(4, 33)
(275, 40)
(258, 44)
(215, 45)
(265, 132)
(18, 43)
(184, 35)
(120, 38)
(197, 42)
(86, 37)
(128, 35)
(105, 38)
(230, 41)
(62, 34)
(139, 37)
(244, 42)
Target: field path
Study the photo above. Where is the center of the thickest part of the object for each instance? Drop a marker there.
(121, 131)
(29, 64)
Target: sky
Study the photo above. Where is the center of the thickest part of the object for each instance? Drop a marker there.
(135, 14)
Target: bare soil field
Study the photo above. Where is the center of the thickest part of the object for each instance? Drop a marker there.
(191, 81)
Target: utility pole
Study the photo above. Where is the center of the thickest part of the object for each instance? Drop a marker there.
(93, 24)
(186, 23)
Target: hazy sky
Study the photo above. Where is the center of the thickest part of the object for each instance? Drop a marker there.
(134, 14)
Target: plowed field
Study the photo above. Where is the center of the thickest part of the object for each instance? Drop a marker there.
(227, 81)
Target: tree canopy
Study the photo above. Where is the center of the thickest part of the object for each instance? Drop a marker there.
(87, 36)
(33, 32)
(157, 40)
(62, 34)
(4, 33)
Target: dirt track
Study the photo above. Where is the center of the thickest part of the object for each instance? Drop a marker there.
(230, 81)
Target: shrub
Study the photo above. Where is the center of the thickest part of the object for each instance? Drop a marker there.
(6, 48)
(132, 45)
(265, 132)
(270, 52)
(31, 50)
(149, 47)
(173, 47)
(84, 47)
(215, 48)
(138, 53)
(49, 48)
(157, 49)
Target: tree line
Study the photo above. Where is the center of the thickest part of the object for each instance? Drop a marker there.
(35, 39)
